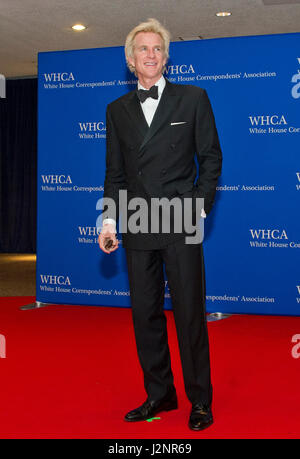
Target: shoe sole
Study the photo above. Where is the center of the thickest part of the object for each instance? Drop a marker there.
(202, 428)
(168, 407)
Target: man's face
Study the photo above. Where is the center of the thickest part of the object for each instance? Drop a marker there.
(148, 56)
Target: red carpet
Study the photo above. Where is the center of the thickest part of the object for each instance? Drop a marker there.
(72, 372)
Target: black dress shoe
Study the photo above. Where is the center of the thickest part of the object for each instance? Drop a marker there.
(150, 408)
(201, 417)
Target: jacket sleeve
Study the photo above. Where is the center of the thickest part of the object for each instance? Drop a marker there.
(208, 152)
(115, 178)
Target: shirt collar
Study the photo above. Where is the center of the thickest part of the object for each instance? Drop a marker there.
(161, 83)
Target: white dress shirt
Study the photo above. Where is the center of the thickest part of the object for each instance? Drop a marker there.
(149, 107)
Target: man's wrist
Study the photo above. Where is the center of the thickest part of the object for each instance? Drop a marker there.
(111, 222)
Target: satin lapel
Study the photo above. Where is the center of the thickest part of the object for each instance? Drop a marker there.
(166, 106)
(134, 110)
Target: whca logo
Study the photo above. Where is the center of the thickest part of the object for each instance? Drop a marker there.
(54, 280)
(268, 234)
(179, 69)
(62, 76)
(56, 179)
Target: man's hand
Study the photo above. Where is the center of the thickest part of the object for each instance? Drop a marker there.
(107, 239)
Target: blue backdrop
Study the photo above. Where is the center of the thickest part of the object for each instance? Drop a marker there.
(252, 237)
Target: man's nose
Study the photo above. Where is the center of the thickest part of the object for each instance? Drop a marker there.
(151, 53)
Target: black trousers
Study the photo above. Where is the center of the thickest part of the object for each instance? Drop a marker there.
(184, 267)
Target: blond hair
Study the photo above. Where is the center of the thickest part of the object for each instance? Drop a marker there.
(151, 25)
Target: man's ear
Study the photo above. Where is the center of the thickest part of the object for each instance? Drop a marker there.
(131, 61)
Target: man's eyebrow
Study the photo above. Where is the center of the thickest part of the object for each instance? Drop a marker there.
(142, 46)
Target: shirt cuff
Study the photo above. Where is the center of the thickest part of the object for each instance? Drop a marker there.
(109, 221)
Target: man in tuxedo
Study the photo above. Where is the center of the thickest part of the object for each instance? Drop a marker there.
(155, 135)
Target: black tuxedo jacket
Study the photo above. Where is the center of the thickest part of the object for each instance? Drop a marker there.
(160, 160)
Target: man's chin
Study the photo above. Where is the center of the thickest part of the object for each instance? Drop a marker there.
(151, 75)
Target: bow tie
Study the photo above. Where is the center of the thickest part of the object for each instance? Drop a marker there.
(143, 94)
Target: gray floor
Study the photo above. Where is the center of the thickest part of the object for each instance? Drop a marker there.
(17, 274)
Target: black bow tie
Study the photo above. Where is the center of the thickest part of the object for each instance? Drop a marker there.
(143, 94)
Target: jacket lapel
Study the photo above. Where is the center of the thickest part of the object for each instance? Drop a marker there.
(166, 107)
(134, 110)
